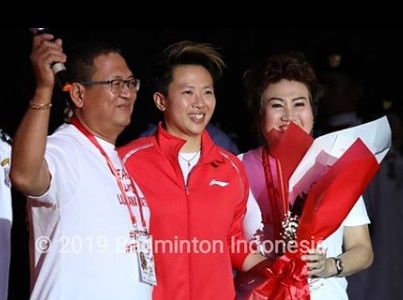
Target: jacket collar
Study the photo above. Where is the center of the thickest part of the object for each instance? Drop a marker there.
(170, 146)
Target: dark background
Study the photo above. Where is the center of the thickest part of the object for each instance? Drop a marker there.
(374, 56)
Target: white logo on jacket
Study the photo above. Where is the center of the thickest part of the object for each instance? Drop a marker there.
(219, 183)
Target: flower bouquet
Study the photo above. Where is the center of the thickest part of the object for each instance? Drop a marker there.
(332, 171)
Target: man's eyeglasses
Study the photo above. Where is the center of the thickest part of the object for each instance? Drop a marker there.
(117, 85)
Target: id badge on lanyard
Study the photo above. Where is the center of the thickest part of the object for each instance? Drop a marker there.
(145, 258)
(143, 239)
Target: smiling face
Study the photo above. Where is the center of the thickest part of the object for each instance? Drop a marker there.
(104, 112)
(189, 103)
(285, 102)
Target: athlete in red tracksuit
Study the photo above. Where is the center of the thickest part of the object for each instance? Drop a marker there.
(197, 192)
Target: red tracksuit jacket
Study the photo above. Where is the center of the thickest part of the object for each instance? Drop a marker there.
(194, 226)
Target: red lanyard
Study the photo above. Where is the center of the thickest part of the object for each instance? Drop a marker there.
(76, 122)
(276, 191)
